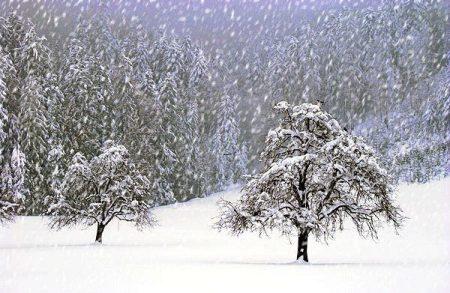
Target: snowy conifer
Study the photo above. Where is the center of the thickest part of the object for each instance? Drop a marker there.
(27, 104)
(225, 143)
(5, 63)
(12, 160)
(34, 141)
(165, 145)
(316, 176)
(87, 108)
(107, 187)
(12, 34)
(199, 69)
(12, 188)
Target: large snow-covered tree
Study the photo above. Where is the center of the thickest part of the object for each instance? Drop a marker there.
(315, 177)
(107, 187)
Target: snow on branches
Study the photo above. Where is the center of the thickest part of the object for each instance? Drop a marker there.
(106, 187)
(12, 159)
(315, 176)
(12, 185)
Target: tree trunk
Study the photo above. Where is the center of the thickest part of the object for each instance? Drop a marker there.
(98, 237)
(302, 248)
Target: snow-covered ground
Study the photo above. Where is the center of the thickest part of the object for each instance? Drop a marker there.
(184, 254)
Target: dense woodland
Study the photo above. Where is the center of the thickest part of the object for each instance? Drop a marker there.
(193, 120)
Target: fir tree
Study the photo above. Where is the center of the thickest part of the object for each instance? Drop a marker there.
(27, 104)
(166, 142)
(34, 141)
(226, 143)
(12, 160)
(12, 186)
(87, 109)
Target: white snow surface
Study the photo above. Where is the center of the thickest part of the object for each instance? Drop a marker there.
(184, 254)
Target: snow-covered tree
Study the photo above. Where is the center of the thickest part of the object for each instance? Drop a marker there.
(199, 69)
(193, 153)
(167, 119)
(27, 104)
(12, 189)
(12, 34)
(225, 143)
(86, 113)
(98, 38)
(107, 187)
(34, 141)
(315, 177)
(5, 64)
(12, 160)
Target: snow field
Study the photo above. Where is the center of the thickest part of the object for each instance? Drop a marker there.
(184, 254)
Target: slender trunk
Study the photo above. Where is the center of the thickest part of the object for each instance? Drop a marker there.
(302, 248)
(98, 236)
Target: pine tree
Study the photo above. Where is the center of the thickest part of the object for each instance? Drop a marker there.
(12, 34)
(194, 154)
(191, 157)
(144, 131)
(12, 186)
(5, 65)
(87, 109)
(226, 143)
(27, 104)
(34, 141)
(167, 138)
(12, 160)
(96, 35)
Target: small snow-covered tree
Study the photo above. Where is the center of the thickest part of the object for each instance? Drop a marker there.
(107, 187)
(315, 176)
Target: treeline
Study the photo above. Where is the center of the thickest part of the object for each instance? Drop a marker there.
(150, 93)
(193, 118)
(382, 71)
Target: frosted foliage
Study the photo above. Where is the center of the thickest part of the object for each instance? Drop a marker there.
(26, 102)
(4, 64)
(106, 187)
(12, 185)
(188, 87)
(12, 159)
(228, 151)
(315, 175)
